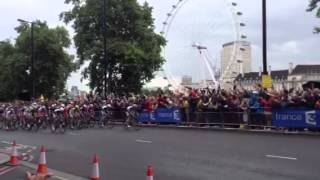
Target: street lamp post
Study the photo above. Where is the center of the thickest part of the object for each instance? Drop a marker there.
(32, 56)
(264, 36)
(105, 48)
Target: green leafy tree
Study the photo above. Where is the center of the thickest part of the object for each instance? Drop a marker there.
(11, 71)
(314, 6)
(52, 64)
(133, 48)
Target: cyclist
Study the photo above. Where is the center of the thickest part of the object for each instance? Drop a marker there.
(131, 113)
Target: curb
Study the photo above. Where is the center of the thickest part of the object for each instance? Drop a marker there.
(4, 158)
(233, 130)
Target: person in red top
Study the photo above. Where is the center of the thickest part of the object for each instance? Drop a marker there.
(317, 104)
(265, 102)
(151, 105)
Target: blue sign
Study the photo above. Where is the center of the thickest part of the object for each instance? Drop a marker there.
(161, 116)
(296, 118)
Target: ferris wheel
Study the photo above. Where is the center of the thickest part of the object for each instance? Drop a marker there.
(195, 31)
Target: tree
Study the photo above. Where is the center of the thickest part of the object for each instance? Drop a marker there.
(12, 74)
(133, 48)
(52, 64)
(314, 6)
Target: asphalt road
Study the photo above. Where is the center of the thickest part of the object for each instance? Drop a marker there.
(175, 154)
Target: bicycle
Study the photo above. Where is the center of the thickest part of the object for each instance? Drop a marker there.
(131, 121)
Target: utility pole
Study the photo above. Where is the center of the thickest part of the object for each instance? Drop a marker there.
(105, 48)
(32, 62)
(32, 58)
(264, 37)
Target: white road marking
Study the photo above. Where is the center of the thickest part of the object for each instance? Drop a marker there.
(7, 170)
(74, 134)
(61, 178)
(20, 146)
(143, 141)
(58, 174)
(30, 158)
(6, 142)
(3, 168)
(281, 157)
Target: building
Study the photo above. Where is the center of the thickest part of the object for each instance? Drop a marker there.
(235, 59)
(74, 91)
(302, 74)
(248, 80)
(294, 77)
(186, 80)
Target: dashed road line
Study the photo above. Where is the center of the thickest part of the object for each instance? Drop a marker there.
(143, 141)
(74, 134)
(61, 178)
(281, 157)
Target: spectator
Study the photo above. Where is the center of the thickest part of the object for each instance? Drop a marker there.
(317, 104)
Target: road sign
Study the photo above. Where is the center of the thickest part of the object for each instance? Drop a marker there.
(266, 81)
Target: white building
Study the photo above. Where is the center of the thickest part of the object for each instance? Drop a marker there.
(235, 59)
(302, 74)
(294, 77)
(74, 91)
(186, 80)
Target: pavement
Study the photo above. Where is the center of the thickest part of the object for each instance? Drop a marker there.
(175, 154)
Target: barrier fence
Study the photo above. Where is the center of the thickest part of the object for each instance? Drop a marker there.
(277, 118)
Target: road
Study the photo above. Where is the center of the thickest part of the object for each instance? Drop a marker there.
(175, 154)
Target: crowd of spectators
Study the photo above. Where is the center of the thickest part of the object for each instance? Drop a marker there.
(237, 99)
(197, 101)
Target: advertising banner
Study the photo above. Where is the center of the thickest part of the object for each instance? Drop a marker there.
(161, 116)
(296, 118)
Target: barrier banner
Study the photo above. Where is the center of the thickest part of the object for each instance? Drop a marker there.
(161, 115)
(296, 118)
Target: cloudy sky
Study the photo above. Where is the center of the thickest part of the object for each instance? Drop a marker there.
(207, 22)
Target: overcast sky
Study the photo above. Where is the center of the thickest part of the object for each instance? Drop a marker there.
(208, 22)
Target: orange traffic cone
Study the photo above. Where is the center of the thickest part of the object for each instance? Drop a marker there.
(95, 175)
(14, 161)
(42, 167)
(150, 173)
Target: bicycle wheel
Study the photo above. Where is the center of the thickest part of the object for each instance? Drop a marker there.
(1, 123)
(53, 128)
(109, 123)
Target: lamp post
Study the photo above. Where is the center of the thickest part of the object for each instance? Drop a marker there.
(264, 36)
(105, 48)
(32, 56)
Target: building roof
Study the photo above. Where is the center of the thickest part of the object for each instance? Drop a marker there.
(306, 69)
(279, 74)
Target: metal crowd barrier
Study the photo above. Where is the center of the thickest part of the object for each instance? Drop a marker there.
(222, 118)
(228, 119)
(254, 118)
